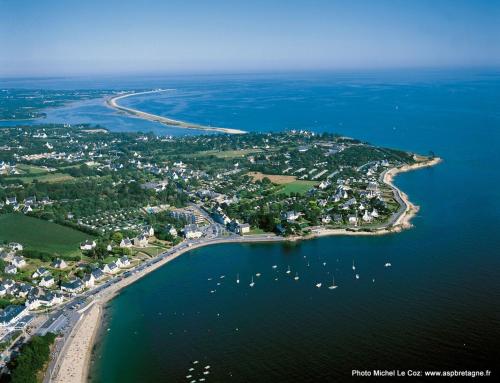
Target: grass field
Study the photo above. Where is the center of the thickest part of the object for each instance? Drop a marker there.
(274, 178)
(31, 169)
(299, 186)
(226, 153)
(37, 234)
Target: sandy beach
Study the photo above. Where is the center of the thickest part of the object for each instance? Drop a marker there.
(75, 360)
(112, 102)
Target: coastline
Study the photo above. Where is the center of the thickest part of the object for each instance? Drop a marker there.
(85, 336)
(112, 103)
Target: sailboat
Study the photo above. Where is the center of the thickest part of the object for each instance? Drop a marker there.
(353, 267)
(252, 284)
(318, 285)
(333, 286)
(357, 276)
(237, 278)
(296, 276)
(388, 264)
(288, 271)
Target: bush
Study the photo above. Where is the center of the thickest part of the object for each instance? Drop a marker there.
(32, 357)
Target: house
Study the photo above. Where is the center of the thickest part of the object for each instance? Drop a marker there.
(40, 272)
(27, 209)
(87, 245)
(3, 290)
(148, 231)
(326, 219)
(11, 201)
(88, 281)
(97, 274)
(47, 281)
(73, 287)
(171, 230)
(367, 216)
(191, 231)
(290, 215)
(11, 314)
(30, 201)
(48, 300)
(244, 228)
(124, 261)
(19, 261)
(110, 268)
(126, 242)
(353, 220)
(59, 263)
(141, 241)
(10, 269)
(16, 246)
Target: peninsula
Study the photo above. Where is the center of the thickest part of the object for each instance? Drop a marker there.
(112, 102)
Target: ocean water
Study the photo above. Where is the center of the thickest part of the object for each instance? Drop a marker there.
(437, 307)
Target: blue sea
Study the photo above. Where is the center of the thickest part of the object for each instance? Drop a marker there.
(436, 308)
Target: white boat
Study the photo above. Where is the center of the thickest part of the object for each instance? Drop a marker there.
(252, 284)
(353, 267)
(288, 271)
(206, 372)
(237, 278)
(308, 264)
(324, 263)
(357, 276)
(191, 369)
(318, 285)
(222, 276)
(258, 275)
(333, 286)
(275, 266)
(195, 362)
(296, 276)
(212, 291)
(207, 367)
(189, 376)
(388, 264)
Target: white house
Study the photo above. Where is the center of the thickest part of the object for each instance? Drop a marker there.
(16, 246)
(126, 242)
(141, 241)
(59, 263)
(192, 231)
(10, 269)
(110, 268)
(87, 245)
(19, 261)
(40, 272)
(88, 280)
(353, 220)
(47, 281)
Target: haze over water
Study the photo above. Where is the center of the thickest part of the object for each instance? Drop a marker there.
(437, 307)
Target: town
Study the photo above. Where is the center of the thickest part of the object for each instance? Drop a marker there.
(82, 207)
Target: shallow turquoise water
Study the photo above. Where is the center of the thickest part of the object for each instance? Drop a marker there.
(437, 307)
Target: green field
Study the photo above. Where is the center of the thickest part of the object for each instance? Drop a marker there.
(47, 177)
(37, 234)
(299, 186)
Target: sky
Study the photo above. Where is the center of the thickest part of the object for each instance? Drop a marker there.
(68, 37)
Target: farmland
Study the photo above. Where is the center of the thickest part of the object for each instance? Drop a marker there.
(41, 235)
